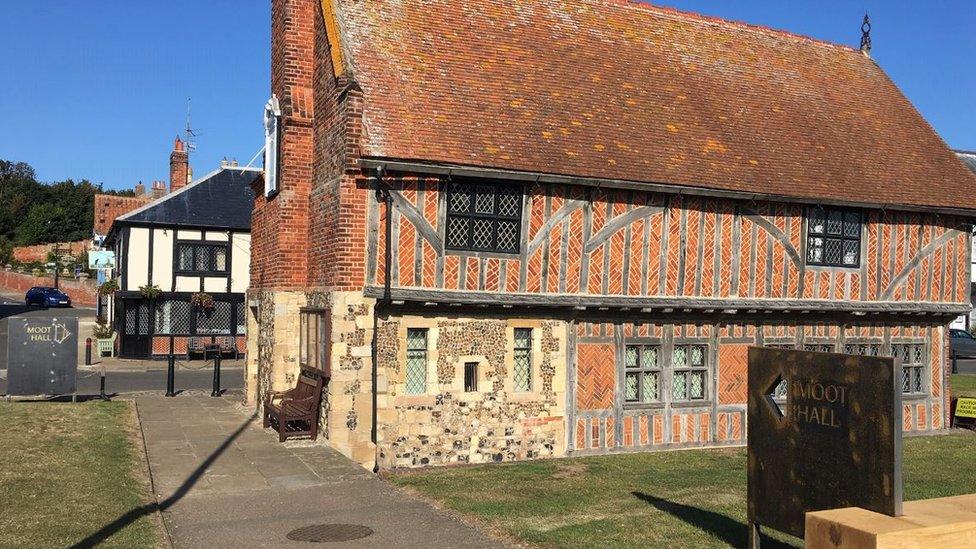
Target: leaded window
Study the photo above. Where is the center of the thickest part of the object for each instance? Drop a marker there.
(912, 357)
(241, 318)
(863, 349)
(779, 392)
(820, 347)
(689, 372)
(483, 217)
(523, 359)
(172, 318)
(315, 337)
(215, 320)
(833, 237)
(201, 257)
(416, 361)
(642, 374)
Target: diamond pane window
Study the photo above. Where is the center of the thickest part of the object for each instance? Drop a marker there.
(241, 318)
(201, 257)
(833, 237)
(416, 379)
(912, 356)
(483, 217)
(523, 359)
(215, 321)
(641, 374)
(679, 388)
(690, 376)
(780, 390)
(172, 318)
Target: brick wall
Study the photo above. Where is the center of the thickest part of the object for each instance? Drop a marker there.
(109, 207)
(39, 252)
(279, 225)
(81, 292)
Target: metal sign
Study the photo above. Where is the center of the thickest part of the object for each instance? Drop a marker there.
(824, 432)
(42, 355)
(101, 259)
(966, 407)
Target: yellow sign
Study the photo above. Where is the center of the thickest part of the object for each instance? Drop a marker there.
(966, 407)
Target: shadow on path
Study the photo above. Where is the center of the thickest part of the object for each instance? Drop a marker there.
(725, 528)
(135, 514)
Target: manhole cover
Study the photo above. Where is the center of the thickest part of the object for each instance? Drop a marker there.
(323, 533)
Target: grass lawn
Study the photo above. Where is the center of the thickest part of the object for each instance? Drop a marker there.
(963, 384)
(694, 498)
(67, 470)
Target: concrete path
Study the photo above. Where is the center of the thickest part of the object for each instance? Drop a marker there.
(222, 481)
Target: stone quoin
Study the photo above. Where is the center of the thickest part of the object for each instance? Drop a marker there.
(502, 251)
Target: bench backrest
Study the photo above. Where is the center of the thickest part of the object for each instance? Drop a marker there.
(309, 386)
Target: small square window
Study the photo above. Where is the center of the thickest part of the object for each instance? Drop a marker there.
(483, 217)
(833, 237)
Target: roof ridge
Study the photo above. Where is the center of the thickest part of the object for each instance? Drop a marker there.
(713, 19)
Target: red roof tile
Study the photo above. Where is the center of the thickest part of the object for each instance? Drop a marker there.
(620, 90)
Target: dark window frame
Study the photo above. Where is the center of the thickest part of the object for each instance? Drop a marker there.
(476, 189)
(843, 236)
(194, 246)
(315, 340)
(913, 371)
(417, 356)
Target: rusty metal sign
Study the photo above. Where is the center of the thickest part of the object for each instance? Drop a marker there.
(824, 432)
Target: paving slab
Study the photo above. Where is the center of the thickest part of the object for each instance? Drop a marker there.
(222, 481)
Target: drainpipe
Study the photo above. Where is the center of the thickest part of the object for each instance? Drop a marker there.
(384, 194)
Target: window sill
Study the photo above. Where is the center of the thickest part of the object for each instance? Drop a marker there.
(914, 397)
(202, 273)
(832, 267)
(703, 403)
(483, 254)
(643, 406)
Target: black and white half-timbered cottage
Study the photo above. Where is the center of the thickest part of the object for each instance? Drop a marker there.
(182, 268)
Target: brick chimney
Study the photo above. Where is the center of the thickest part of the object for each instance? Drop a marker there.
(179, 166)
(158, 189)
(140, 189)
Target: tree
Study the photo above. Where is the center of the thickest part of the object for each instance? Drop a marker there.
(35, 213)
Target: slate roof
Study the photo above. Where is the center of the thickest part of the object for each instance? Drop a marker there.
(969, 159)
(222, 199)
(613, 89)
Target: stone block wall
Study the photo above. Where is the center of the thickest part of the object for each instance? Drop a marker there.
(449, 425)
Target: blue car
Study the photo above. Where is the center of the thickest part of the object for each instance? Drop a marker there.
(47, 297)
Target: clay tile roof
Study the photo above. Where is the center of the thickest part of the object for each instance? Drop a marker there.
(620, 90)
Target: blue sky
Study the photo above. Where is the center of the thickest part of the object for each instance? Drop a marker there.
(98, 89)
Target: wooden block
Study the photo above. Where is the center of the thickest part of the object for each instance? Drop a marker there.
(942, 522)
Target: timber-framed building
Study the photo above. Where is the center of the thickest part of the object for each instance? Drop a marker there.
(521, 229)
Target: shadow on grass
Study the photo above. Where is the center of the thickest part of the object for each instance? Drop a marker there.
(135, 514)
(725, 528)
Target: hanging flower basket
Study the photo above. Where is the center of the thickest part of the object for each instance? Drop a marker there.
(202, 300)
(108, 287)
(150, 292)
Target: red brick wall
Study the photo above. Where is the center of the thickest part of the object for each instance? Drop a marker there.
(108, 207)
(39, 252)
(279, 225)
(81, 293)
(689, 251)
(179, 166)
(312, 235)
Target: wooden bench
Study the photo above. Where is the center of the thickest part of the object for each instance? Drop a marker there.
(196, 346)
(295, 412)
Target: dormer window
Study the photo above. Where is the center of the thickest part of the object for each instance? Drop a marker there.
(834, 237)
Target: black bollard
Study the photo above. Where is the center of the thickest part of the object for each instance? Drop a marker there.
(216, 378)
(170, 375)
(88, 352)
(101, 386)
(955, 366)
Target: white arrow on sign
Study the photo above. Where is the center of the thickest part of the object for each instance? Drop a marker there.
(61, 333)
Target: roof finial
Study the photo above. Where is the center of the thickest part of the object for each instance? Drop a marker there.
(866, 35)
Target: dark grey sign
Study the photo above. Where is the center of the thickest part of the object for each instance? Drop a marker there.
(829, 438)
(42, 355)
